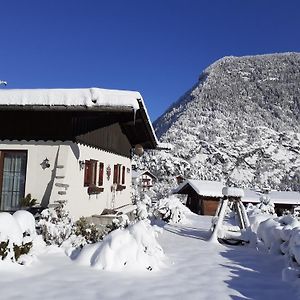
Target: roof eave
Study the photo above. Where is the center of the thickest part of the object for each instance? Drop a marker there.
(68, 107)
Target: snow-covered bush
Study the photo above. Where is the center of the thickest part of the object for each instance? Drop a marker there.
(171, 210)
(117, 223)
(260, 212)
(17, 235)
(55, 224)
(88, 231)
(131, 248)
(58, 228)
(266, 205)
(143, 207)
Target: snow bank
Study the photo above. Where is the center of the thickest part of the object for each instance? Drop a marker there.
(171, 210)
(269, 233)
(132, 248)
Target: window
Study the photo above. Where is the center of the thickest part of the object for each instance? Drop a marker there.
(90, 172)
(101, 173)
(12, 178)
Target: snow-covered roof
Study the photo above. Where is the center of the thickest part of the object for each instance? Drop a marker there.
(277, 197)
(136, 174)
(202, 187)
(89, 97)
(285, 197)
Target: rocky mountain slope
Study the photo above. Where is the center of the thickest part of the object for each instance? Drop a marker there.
(240, 123)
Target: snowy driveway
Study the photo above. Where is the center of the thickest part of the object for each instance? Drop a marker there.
(195, 270)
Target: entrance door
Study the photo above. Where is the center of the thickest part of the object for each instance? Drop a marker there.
(12, 177)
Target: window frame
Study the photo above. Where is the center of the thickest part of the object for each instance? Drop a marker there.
(2, 156)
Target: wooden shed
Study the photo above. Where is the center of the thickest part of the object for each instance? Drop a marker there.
(203, 196)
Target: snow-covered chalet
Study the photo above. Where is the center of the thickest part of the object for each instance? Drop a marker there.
(70, 144)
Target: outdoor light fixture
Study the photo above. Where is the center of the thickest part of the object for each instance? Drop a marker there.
(138, 149)
(108, 172)
(45, 164)
(81, 164)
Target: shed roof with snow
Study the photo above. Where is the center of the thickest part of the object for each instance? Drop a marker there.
(277, 197)
(205, 188)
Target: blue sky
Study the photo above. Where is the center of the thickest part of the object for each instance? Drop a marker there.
(157, 47)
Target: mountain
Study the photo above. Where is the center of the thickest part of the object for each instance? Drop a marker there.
(240, 123)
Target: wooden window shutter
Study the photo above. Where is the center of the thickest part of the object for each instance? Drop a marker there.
(90, 172)
(123, 175)
(115, 174)
(101, 172)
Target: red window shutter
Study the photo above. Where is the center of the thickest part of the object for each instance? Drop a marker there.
(90, 172)
(115, 174)
(87, 173)
(123, 175)
(101, 172)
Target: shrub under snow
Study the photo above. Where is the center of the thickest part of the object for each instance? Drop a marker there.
(17, 236)
(143, 207)
(55, 224)
(131, 248)
(171, 210)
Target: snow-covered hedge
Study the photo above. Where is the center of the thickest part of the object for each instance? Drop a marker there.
(171, 210)
(281, 235)
(131, 248)
(58, 228)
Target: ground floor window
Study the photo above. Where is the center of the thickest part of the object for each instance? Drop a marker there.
(12, 178)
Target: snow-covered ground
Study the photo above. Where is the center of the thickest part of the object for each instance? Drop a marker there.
(194, 269)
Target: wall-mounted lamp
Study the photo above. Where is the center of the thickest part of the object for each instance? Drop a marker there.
(108, 172)
(81, 164)
(138, 149)
(45, 163)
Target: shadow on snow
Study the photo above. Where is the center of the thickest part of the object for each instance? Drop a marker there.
(256, 275)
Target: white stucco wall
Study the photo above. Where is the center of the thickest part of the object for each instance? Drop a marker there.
(41, 182)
